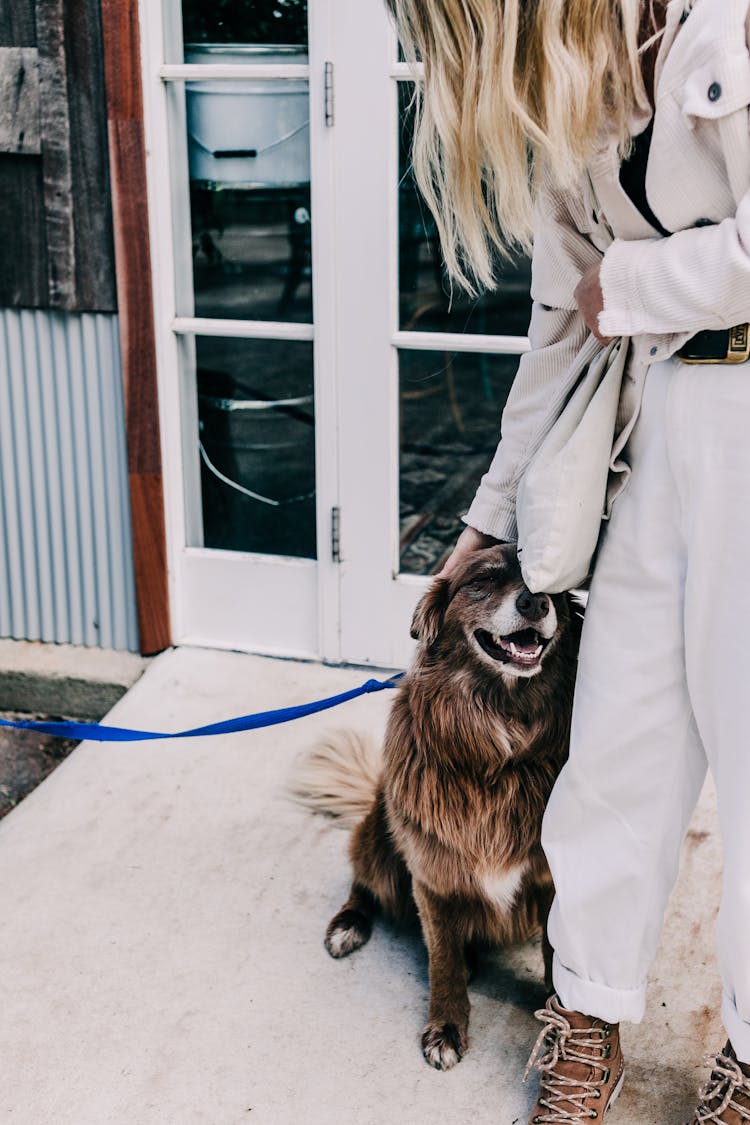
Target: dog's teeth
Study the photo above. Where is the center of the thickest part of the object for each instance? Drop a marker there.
(513, 649)
(538, 651)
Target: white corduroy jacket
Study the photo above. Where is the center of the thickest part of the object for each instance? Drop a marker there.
(658, 290)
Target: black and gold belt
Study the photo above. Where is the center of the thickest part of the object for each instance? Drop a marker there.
(731, 345)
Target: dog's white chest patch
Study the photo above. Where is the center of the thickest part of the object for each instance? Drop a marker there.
(501, 887)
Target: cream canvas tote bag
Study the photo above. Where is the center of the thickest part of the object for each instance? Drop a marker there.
(561, 495)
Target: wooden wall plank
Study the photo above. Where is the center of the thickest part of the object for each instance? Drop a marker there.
(95, 284)
(127, 154)
(23, 241)
(58, 172)
(17, 23)
(64, 74)
(19, 101)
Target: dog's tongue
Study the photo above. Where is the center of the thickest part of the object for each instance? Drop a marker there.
(521, 649)
(525, 644)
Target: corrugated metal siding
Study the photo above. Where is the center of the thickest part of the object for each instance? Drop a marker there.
(66, 560)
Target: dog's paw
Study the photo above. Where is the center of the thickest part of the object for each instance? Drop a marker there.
(347, 931)
(443, 1044)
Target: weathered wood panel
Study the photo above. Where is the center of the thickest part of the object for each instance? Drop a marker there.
(17, 23)
(23, 239)
(95, 282)
(134, 293)
(19, 101)
(58, 174)
(52, 104)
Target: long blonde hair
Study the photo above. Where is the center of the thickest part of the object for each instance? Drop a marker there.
(515, 92)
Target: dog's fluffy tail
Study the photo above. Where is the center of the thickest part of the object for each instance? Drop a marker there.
(339, 776)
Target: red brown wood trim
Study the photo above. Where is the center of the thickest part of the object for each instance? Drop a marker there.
(127, 158)
(149, 548)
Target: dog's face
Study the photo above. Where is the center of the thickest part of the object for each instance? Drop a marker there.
(485, 608)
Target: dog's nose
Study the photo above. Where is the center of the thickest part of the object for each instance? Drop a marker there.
(533, 606)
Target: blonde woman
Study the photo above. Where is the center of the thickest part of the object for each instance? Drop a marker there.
(617, 133)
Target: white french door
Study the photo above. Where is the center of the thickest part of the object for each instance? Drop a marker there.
(326, 411)
(422, 383)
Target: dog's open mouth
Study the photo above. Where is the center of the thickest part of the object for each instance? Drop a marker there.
(523, 648)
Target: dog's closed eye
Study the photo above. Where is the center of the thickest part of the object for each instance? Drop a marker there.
(479, 593)
(485, 584)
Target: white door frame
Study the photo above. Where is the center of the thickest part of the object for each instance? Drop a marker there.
(357, 608)
(228, 599)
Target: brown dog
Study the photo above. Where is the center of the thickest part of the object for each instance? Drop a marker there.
(449, 818)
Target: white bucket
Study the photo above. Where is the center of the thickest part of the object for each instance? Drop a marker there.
(235, 119)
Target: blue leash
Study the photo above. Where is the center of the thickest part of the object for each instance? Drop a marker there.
(95, 732)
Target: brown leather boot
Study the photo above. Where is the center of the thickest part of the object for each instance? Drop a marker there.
(725, 1098)
(581, 1064)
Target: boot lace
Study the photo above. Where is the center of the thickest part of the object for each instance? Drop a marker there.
(717, 1095)
(564, 1097)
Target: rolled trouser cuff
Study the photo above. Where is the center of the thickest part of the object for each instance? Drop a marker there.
(614, 1005)
(736, 1028)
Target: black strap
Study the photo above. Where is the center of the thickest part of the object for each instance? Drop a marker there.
(633, 177)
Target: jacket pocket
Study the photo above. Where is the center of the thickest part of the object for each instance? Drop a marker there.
(718, 88)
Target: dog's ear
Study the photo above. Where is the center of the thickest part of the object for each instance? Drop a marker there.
(428, 616)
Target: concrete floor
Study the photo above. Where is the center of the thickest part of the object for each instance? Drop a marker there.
(161, 951)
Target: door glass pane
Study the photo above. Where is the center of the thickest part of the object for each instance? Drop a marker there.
(249, 164)
(424, 292)
(257, 445)
(251, 253)
(244, 21)
(450, 406)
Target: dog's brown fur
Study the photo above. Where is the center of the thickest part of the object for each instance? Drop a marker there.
(470, 756)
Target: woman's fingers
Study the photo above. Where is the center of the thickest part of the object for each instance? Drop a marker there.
(469, 540)
(590, 300)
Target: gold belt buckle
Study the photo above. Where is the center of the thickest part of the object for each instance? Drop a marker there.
(737, 350)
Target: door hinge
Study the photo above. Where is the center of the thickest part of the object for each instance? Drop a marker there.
(328, 95)
(336, 535)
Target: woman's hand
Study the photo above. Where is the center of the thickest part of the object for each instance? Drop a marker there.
(469, 540)
(590, 300)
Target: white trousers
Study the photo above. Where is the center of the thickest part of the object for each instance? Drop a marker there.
(663, 689)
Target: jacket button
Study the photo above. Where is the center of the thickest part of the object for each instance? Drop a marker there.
(714, 92)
